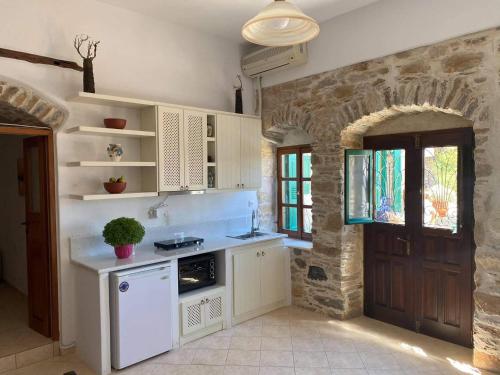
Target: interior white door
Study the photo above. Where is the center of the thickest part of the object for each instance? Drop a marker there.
(273, 275)
(246, 281)
(193, 316)
(214, 308)
(228, 152)
(251, 165)
(195, 155)
(170, 149)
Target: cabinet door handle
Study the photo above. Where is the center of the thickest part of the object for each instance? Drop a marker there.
(242, 185)
(207, 300)
(258, 254)
(238, 185)
(202, 302)
(263, 253)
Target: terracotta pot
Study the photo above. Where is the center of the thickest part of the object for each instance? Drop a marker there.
(115, 187)
(441, 208)
(115, 123)
(124, 251)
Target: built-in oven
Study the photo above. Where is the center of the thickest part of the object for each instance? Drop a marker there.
(196, 272)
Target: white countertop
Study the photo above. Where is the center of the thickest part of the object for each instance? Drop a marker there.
(104, 260)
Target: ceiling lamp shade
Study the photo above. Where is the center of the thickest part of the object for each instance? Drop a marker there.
(281, 23)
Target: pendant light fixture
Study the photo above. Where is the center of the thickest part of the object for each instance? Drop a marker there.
(281, 23)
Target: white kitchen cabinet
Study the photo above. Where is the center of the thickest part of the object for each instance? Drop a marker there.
(182, 149)
(251, 165)
(201, 312)
(238, 152)
(228, 151)
(259, 280)
(246, 281)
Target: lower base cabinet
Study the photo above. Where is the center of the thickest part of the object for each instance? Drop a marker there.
(201, 313)
(259, 280)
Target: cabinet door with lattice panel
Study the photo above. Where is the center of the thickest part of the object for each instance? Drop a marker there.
(193, 316)
(170, 149)
(195, 156)
(214, 308)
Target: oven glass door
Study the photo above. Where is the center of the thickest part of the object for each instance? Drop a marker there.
(196, 274)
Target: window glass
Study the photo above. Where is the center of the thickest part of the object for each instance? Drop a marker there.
(390, 186)
(290, 218)
(289, 166)
(358, 191)
(289, 192)
(440, 187)
(306, 193)
(306, 165)
(307, 220)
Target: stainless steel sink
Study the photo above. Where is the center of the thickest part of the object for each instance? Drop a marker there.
(247, 236)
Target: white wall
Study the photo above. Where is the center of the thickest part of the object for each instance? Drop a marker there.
(12, 214)
(139, 57)
(390, 26)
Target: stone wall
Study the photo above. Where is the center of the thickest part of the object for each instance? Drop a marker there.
(461, 77)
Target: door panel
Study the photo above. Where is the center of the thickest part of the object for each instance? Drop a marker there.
(273, 262)
(420, 268)
(247, 281)
(228, 152)
(251, 168)
(195, 154)
(170, 149)
(37, 234)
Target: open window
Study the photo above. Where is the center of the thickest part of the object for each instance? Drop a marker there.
(375, 186)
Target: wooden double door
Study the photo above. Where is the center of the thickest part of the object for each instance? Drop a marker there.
(419, 249)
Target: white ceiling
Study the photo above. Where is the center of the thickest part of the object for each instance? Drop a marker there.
(225, 17)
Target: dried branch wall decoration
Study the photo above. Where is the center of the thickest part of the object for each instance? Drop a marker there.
(88, 58)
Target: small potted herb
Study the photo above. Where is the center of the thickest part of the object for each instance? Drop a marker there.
(123, 233)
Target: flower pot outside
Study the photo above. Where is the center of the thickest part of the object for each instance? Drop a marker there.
(124, 251)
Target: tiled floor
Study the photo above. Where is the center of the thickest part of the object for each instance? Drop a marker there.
(292, 341)
(15, 335)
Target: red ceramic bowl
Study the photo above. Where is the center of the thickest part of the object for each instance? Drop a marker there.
(115, 123)
(115, 187)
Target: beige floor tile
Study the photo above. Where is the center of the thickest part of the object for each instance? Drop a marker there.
(213, 342)
(306, 344)
(303, 331)
(276, 358)
(241, 370)
(312, 371)
(247, 331)
(176, 357)
(275, 331)
(54, 366)
(276, 371)
(245, 343)
(276, 343)
(243, 358)
(310, 359)
(34, 355)
(209, 357)
(347, 371)
(379, 361)
(338, 345)
(339, 360)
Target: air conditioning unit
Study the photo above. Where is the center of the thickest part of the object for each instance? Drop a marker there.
(272, 59)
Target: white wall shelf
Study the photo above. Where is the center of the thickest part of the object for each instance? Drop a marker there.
(210, 139)
(94, 130)
(211, 164)
(110, 100)
(112, 164)
(100, 197)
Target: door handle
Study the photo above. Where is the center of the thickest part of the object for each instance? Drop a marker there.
(407, 243)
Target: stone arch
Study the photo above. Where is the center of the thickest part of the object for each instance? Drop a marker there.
(20, 104)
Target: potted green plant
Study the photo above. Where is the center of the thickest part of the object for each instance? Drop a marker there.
(123, 233)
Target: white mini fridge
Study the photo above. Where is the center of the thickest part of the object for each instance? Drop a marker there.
(141, 314)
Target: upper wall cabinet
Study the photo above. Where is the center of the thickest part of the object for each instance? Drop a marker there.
(238, 152)
(182, 149)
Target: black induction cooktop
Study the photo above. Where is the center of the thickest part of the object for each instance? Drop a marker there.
(173, 244)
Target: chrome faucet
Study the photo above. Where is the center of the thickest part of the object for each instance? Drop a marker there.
(254, 228)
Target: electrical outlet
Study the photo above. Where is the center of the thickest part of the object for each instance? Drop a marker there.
(153, 213)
